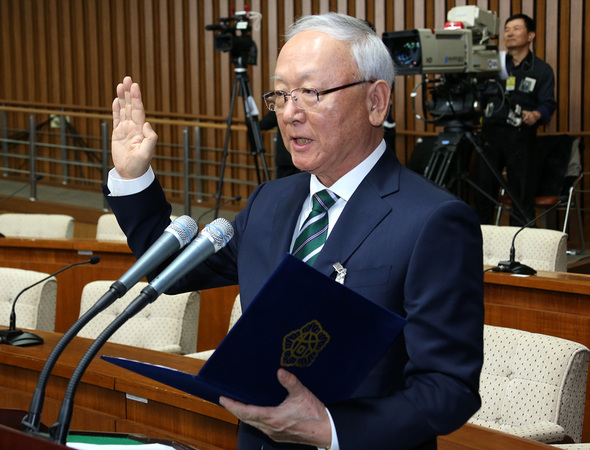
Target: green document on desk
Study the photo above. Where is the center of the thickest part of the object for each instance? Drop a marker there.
(324, 333)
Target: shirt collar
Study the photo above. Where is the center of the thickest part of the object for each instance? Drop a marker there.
(348, 183)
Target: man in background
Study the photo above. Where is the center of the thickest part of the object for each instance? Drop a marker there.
(510, 127)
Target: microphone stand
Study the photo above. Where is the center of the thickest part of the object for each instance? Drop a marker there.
(117, 290)
(32, 420)
(10, 335)
(214, 237)
(513, 266)
(59, 431)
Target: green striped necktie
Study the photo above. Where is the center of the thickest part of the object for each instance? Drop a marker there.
(314, 231)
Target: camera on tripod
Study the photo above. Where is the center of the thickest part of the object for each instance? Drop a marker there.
(243, 52)
(464, 45)
(241, 46)
(462, 54)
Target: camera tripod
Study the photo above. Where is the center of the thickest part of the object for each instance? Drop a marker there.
(242, 85)
(454, 145)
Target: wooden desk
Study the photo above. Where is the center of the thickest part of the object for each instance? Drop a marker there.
(51, 255)
(553, 303)
(470, 437)
(112, 399)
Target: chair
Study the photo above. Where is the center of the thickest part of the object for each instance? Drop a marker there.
(572, 200)
(170, 324)
(236, 312)
(560, 180)
(538, 248)
(35, 308)
(532, 385)
(49, 226)
(108, 229)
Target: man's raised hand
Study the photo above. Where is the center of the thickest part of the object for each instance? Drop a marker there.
(133, 140)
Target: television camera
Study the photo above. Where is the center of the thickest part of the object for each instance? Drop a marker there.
(242, 47)
(462, 54)
(464, 45)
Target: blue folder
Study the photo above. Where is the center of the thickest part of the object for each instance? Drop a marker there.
(327, 335)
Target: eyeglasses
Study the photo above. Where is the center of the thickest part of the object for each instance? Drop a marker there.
(303, 98)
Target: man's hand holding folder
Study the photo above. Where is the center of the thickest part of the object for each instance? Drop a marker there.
(323, 333)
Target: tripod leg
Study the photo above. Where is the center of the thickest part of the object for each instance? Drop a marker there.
(254, 134)
(449, 152)
(433, 162)
(516, 205)
(226, 146)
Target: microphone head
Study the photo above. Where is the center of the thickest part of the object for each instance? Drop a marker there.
(94, 259)
(184, 228)
(219, 232)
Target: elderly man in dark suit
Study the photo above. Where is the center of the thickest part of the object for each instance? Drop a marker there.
(406, 244)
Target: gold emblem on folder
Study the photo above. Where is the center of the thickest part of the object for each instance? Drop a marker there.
(301, 347)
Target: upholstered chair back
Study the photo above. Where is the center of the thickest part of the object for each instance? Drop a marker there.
(236, 313)
(35, 308)
(538, 248)
(169, 324)
(48, 226)
(532, 385)
(108, 229)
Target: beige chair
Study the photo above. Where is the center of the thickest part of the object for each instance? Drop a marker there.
(49, 226)
(538, 248)
(169, 324)
(108, 229)
(236, 313)
(35, 308)
(532, 385)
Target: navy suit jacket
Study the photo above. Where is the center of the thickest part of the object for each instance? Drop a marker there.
(408, 245)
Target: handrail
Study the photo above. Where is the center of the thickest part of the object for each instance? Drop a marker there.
(106, 110)
(150, 118)
(186, 167)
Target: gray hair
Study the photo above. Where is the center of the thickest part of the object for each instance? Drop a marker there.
(370, 53)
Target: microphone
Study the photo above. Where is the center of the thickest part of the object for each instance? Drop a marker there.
(176, 236)
(214, 237)
(513, 266)
(37, 178)
(237, 198)
(20, 338)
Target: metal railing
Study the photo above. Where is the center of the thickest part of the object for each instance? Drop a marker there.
(44, 142)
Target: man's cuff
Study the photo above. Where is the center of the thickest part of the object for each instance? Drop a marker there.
(119, 187)
(334, 445)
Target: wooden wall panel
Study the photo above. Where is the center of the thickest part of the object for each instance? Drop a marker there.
(73, 53)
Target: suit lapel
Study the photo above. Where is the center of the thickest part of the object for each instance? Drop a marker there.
(363, 212)
(285, 219)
